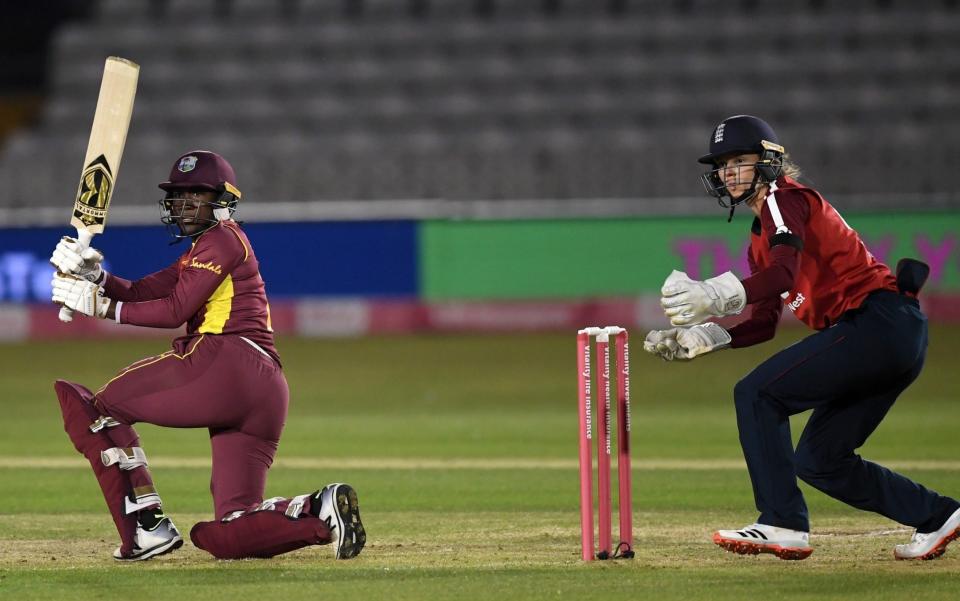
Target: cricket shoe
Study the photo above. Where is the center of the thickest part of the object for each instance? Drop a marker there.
(341, 511)
(930, 545)
(156, 537)
(760, 538)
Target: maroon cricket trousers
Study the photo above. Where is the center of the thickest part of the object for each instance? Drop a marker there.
(220, 382)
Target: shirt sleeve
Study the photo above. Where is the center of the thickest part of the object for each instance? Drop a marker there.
(156, 285)
(764, 317)
(207, 266)
(787, 218)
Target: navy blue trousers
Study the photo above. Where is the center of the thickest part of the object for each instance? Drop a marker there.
(850, 375)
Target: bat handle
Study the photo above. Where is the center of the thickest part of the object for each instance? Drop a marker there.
(84, 237)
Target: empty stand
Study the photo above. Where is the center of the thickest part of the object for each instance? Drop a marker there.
(490, 99)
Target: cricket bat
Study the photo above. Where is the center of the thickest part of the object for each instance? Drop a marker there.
(104, 151)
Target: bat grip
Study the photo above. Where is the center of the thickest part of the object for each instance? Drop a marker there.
(84, 237)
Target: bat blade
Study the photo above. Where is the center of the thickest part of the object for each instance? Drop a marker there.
(108, 135)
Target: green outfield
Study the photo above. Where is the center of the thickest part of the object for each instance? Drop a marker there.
(463, 450)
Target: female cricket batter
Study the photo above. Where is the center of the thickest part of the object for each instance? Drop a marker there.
(223, 374)
(870, 345)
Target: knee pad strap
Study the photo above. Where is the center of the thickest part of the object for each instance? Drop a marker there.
(104, 421)
(128, 459)
(295, 508)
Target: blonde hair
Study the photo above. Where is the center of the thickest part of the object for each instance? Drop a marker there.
(787, 168)
(790, 169)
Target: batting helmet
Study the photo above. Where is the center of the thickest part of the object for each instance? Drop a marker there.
(199, 170)
(208, 171)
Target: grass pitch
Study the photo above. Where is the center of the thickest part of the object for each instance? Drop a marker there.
(463, 451)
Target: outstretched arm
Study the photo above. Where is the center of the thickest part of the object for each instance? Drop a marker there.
(154, 286)
(687, 302)
(761, 326)
(207, 267)
(765, 312)
(71, 258)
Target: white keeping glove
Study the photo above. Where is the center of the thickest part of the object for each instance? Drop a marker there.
(687, 302)
(700, 340)
(80, 295)
(69, 257)
(662, 343)
(683, 344)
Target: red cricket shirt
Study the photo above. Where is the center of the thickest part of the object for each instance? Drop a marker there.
(804, 256)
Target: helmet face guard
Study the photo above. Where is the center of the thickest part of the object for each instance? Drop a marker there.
(223, 208)
(767, 169)
(198, 171)
(737, 135)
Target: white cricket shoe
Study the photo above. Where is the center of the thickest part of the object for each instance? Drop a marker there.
(341, 511)
(162, 538)
(930, 545)
(760, 538)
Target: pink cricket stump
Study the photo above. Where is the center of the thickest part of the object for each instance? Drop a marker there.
(624, 548)
(623, 445)
(586, 459)
(603, 448)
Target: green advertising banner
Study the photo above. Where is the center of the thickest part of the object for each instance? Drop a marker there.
(617, 257)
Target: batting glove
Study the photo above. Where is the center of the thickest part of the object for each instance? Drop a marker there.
(688, 302)
(80, 295)
(71, 258)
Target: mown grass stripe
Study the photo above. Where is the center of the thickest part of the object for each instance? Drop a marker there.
(412, 463)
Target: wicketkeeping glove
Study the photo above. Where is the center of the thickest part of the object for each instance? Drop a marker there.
(70, 258)
(683, 344)
(687, 302)
(80, 295)
(701, 339)
(662, 343)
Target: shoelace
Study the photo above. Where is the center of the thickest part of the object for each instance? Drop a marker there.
(920, 537)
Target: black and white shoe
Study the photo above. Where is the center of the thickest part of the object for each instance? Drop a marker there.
(155, 536)
(761, 538)
(341, 511)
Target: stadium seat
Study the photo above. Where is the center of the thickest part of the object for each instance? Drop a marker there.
(493, 98)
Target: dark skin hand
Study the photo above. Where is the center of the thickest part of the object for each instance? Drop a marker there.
(196, 211)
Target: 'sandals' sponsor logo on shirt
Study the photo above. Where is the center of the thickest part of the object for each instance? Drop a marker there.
(209, 266)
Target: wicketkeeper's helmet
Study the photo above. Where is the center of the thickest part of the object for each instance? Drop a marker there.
(742, 134)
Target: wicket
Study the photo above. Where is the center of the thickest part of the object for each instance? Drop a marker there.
(624, 548)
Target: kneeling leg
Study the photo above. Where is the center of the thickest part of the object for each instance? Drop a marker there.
(273, 527)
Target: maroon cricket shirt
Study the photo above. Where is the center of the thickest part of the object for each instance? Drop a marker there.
(215, 288)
